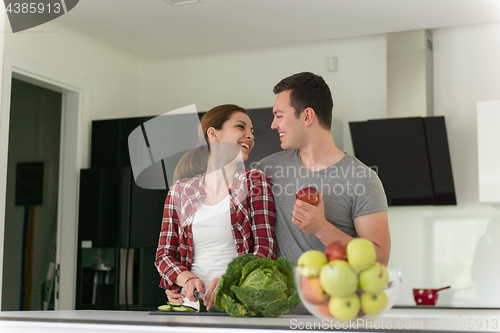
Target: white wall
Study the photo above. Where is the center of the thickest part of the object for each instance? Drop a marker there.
(112, 73)
(113, 78)
(247, 77)
(434, 245)
(466, 70)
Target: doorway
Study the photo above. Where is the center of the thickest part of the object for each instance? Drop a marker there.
(30, 228)
(74, 147)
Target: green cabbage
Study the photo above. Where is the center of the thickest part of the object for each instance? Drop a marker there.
(257, 287)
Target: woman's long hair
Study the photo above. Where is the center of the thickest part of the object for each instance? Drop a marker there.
(195, 160)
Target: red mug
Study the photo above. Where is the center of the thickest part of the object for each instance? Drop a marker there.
(426, 296)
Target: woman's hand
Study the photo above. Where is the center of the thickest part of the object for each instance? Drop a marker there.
(210, 295)
(175, 295)
(190, 286)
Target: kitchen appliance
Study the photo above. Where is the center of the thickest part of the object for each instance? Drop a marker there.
(119, 225)
(409, 149)
(427, 296)
(411, 157)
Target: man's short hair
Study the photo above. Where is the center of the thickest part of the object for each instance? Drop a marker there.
(309, 90)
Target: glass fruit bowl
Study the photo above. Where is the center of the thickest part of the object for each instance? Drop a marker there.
(319, 303)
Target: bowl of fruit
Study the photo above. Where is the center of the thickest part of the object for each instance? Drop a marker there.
(345, 282)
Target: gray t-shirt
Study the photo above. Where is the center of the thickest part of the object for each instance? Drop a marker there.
(349, 188)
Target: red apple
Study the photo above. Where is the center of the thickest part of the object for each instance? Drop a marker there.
(324, 309)
(336, 251)
(312, 291)
(309, 194)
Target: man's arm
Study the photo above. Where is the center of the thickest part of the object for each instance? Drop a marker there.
(375, 227)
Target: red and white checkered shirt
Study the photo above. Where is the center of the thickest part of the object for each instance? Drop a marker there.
(252, 219)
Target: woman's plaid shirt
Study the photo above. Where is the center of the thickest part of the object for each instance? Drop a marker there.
(252, 219)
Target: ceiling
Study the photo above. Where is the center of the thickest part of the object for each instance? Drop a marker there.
(154, 28)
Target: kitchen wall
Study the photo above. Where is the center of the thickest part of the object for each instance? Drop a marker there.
(247, 77)
(113, 78)
(112, 73)
(435, 246)
(450, 245)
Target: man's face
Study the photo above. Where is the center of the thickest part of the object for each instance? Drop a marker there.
(289, 127)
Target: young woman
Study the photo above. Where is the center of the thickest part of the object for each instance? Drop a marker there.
(216, 210)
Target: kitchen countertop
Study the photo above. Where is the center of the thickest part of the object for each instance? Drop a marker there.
(416, 319)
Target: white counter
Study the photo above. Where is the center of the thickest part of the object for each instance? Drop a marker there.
(411, 319)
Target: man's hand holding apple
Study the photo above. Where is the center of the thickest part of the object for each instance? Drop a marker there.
(310, 218)
(309, 215)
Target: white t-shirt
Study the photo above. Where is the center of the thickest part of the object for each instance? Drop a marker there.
(213, 242)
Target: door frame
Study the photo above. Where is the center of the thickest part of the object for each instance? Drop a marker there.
(74, 155)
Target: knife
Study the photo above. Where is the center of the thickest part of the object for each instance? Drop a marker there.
(198, 295)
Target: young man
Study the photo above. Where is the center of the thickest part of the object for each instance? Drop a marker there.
(352, 200)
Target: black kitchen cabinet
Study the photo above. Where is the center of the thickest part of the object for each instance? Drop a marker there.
(109, 143)
(115, 212)
(267, 141)
(119, 225)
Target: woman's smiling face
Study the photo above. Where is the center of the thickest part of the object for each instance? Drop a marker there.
(238, 130)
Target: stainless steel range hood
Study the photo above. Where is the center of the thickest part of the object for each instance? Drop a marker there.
(410, 74)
